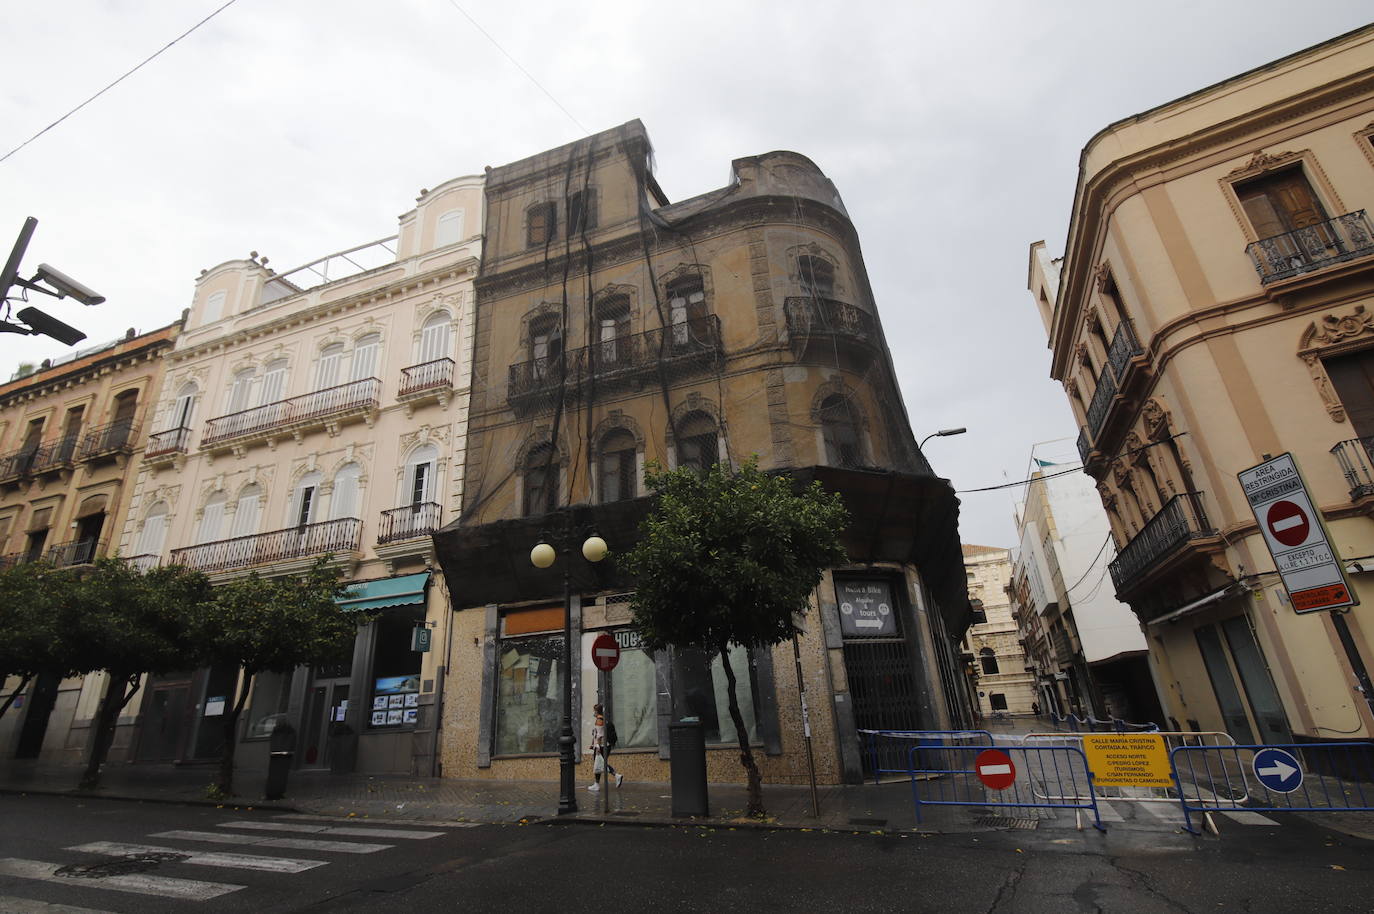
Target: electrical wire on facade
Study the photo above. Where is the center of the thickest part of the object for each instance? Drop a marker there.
(1076, 469)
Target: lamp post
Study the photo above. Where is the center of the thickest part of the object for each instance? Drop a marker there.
(594, 549)
(942, 433)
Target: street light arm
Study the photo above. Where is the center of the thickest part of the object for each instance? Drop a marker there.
(942, 433)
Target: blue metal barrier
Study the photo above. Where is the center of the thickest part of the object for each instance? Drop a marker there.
(1296, 777)
(1039, 772)
(888, 749)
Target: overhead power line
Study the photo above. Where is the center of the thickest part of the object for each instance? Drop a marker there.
(1077, 469)
(149, 59)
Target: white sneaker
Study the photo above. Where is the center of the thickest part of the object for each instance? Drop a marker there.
(619, 779)
(594, 788)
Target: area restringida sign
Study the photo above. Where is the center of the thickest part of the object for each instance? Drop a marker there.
(1128, 759)
(1297, 539)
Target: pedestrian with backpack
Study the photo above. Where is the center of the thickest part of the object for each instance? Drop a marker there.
(603, 741)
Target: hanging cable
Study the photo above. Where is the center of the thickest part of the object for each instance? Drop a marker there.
(1077, 469)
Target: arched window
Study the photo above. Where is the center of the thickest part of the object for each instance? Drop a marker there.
(541, 481)
(434, 337)
(687, 309)
(546, 344)
(419, 476)
(840, 430)
(697, 442)
(365, 353)
(154, 532)
(247, 511)
(241, 391)
(184, 409)
(344, 501)
(817, 276)
(211, 519)
(273, 382)
(613, 327)
(327, 370)
(449, 229)
(618, 475)
(988, 658)
(304, 499)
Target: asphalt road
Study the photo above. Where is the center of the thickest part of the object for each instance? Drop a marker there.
(144, 857)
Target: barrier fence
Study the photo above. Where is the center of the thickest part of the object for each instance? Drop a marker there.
(1003, 777)
(888, 751)
(1091, 724)
(1301, 777)
(1149, 759)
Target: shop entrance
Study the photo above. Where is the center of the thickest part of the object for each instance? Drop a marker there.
(325, 705)
(165, 713)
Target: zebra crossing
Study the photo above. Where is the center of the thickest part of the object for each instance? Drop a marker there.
(123, 867)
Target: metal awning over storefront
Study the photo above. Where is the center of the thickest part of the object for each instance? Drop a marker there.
(1235, 588)
(405, 590)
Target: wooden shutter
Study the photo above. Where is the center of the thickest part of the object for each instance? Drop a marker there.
(1279, 203)
(1353, 377)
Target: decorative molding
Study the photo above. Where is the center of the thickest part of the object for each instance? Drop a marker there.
(1334, 328)
(1261, 162)
(1157, 419)
(1330, 335)
(617, 420)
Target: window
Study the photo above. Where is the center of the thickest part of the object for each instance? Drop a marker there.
(581, 212)
(546, 344)
(988, 658)
(449, 229)
(420, 475)
(817, 276)
(211, 518)
(997, 701)
(247, 511)
(184, 409)
(365, 353)
(541, 225)
(396, 672)
(699, 690)
(529, 690)
(214, 308)
(1280, 202)
(634, 695)
(434, 343)
(154, 532)
(613, 319)
(327, 370)
(344, 501)
(240, 392)
(1353, 377)
(618, 471)
(303, 501)
(541, 481)
(840, 431)
(271, 694)
(687, 309)
(697, 445)
(980, 616)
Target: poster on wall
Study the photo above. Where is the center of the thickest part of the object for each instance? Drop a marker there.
(379, 703)
(394, 717)
(410, 715)
(378, 718)
(866, 609)
(391, 695)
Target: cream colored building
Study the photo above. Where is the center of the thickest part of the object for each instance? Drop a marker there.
(320, 410)
(1214, 307)
(1001, 680)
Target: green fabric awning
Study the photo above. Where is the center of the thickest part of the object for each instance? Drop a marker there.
(405, 590)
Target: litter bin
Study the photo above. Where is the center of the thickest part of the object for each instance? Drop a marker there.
(281, 747)
(687, 745)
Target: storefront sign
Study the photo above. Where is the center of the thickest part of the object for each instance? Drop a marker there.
(866, 609)
(420, 639)
(214, 707)
(1128, 759)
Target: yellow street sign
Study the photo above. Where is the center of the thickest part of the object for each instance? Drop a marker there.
(1128, 759)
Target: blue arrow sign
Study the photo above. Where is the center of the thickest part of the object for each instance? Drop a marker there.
(1278, 770)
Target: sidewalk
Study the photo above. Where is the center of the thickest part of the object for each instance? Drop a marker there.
(885, 807)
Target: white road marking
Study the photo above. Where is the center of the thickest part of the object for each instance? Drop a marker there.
(334, 830)
(1249, 818)
(11, 905)
(1109, 814)
(295, 844)
(136, 883)
(1160, 812)
(388, 820)
(231, 861)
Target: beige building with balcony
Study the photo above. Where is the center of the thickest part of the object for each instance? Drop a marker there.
(319, 410)
(1213, 308)
(71, 436)
(1001, 681)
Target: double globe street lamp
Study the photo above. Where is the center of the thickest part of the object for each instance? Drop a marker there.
(543, 555)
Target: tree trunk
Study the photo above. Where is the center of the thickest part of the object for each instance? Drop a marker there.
(746, 752)
(231, 728)
(23, 684)
(116, 697)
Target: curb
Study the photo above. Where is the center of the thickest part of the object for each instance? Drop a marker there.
(730, 824)
(74, 793)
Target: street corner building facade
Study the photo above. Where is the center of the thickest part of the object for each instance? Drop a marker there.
(1214, 308)
(994, 653)
(613, 328)
(72, 432)
(321, 410)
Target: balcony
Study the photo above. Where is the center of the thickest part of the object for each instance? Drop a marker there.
(427, 381)
(14, 466)
(164, 447)
(634, 359)
(55, 456)
(305, 542)
(324, 408)
(106, 442)
(824, 329)
(1355, 458)
(143, 563)
(408, 523)
(1085, 448)
(1101, 404)
(76, 552)
(1182, 520)
(1312, 247)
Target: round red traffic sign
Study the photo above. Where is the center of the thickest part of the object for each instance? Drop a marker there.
(605, 652)
(1288, 523)
(995, 769)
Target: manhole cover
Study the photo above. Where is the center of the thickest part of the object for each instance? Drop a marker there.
(119, 866)
(1006, 822)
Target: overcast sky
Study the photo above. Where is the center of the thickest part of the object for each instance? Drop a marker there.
(297, 128)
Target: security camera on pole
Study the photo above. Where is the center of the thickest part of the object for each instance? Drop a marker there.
(49, 281)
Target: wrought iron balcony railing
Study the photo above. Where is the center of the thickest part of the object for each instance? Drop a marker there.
(332, 402)
(277, 546)
(58, 454)
(1124, 348)
(166, 443)
(1182, 518)
(1312, 247)
(15, 465)
(76, 552)
(144, 563)
(109, 440)
(408, 522)
(1354, 458)
(1101, 403)
(427, 376)
(1084, 447)
(811, 317)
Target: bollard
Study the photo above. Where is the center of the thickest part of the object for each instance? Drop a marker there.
(280, 751)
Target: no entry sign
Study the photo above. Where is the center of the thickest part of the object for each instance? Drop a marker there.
(605, 652)
(1288, 523)
(995, 769)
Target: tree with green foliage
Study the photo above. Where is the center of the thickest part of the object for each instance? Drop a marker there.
(731, 558)
(128, 623)
(34, 600)
(271, 625)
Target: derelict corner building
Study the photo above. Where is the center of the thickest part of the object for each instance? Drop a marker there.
(612, 327)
